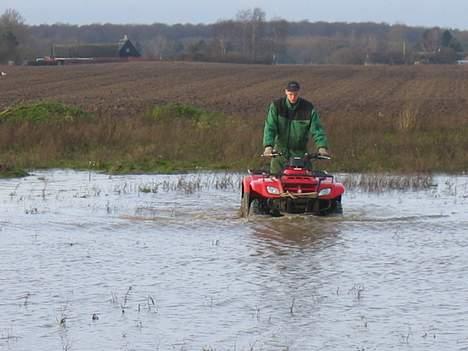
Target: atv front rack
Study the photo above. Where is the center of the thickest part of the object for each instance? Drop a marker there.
(288, 194)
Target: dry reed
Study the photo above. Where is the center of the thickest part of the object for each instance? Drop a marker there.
(402, 142)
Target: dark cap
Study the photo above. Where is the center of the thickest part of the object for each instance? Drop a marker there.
(293, 86)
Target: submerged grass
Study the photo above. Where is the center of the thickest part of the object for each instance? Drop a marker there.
(186, 184)
(177, 137)
(381, 182)
(7, 171)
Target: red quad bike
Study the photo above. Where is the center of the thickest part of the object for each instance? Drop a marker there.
(297, 189)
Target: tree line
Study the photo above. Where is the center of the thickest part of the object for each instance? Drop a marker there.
(247, 38)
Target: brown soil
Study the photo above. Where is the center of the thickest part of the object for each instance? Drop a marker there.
(242, 90)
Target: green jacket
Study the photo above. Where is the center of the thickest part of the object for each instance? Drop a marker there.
(288, 127)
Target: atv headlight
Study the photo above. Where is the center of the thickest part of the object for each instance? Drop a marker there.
(273, 190)
(324, 192)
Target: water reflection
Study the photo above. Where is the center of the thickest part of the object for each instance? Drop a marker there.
(295, 232)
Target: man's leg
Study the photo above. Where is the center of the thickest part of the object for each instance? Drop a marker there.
(277, 164)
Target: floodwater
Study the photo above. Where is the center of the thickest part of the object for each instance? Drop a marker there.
(163, 262)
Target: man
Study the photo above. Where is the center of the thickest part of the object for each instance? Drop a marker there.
(289, 123)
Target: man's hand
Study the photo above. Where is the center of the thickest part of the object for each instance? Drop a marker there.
(322, 151)
(268, 151)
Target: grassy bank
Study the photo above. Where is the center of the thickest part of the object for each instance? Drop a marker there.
(175, 137)
(167, 138)
(406, 141)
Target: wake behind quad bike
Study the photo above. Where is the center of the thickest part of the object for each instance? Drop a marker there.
(297, 189)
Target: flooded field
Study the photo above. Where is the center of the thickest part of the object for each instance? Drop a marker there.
(163, 262)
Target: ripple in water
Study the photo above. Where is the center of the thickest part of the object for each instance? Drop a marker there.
(145, 262)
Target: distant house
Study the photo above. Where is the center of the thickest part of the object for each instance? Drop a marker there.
(124, 49)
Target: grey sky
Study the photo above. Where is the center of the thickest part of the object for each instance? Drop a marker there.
(448, 13)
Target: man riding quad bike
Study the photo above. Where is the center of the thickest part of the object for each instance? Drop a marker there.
(291, 185)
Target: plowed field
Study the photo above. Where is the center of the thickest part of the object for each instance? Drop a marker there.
(242, 90)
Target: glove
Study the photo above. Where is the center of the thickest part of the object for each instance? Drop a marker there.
(322, 151)
(268, 151)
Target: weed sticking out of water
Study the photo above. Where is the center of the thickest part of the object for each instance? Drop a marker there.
(8, 335)
(25, 299)
(364, 321)
(31, 211)
(405, 337)
(453, 188)
(62, 317)
(357, 291)
(396, 234)
(44, 188)
(15, 191)
(124, 305)
(183, 183)
(10, 171)
(189, 187)
(65, 340)
(382, 182)
(127, 294)
(151, 303)
(291, 307)
(114, 298)
(147, 189)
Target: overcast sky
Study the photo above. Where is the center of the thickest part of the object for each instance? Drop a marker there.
(427, 13)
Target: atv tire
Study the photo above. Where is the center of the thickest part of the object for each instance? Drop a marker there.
(255, 207)
(245, 205)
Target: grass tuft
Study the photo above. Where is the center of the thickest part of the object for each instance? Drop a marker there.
(199, 117)
(42, 112)
(7, 171)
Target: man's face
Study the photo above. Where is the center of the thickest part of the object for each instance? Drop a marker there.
(292, 96)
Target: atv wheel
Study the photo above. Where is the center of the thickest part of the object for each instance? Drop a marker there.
(245, 205)
(261, 207)
(334, 208)
(338, 207)
(256, 207)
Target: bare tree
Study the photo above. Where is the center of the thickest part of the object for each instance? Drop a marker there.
(13, 34)
(252, 23)
(225, 35)
(155, 47)
(11, 19)
(243, 18)
(432, 39)
(257, 32)
(278, 35)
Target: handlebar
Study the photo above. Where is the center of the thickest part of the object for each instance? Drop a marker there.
(274, 154)
(321, 157)
(307, 156)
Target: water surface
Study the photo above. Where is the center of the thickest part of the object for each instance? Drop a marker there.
(163, 262)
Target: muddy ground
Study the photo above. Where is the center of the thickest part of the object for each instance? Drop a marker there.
(242, 90)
